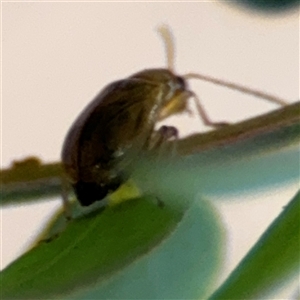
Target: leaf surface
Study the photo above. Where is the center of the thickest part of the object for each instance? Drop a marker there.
(136, 248)
(271, 262)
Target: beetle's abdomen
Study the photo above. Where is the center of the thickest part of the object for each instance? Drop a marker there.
(100, 142)
(89, 192)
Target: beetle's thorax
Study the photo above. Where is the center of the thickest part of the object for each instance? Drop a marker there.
(170, 82)
(174, 92)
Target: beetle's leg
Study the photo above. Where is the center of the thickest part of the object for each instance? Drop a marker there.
(159, 142)
(169, 133)
(65, 190)
(162, 136)
(202, 113)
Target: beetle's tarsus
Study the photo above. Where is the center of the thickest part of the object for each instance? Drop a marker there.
(218, 124)
(65, 200)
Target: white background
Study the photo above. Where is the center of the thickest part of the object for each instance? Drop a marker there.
(57, 56)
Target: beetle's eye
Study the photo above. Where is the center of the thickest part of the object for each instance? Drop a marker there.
(181, 82)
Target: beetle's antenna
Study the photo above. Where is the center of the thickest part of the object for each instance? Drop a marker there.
(168, 41)
(236, 87)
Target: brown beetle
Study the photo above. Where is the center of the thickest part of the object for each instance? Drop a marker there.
(121, 118)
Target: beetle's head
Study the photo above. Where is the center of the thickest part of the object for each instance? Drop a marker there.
(174, 90)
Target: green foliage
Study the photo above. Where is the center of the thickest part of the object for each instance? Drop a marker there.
(170, 244)
(271, 262)
(102, 245)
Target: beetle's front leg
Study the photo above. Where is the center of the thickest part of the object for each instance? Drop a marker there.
(159, 141)
(162, 136)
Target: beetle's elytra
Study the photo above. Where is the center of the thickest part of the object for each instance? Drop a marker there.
(123, 117)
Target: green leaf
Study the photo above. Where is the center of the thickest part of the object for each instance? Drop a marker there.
(136, 249)
(271, 262)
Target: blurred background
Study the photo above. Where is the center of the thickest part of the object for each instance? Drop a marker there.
(56, 56)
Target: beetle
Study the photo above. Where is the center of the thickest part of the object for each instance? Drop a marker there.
(122, 116)
(122, 119)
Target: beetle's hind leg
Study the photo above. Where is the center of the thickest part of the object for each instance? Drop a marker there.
(65, 191)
